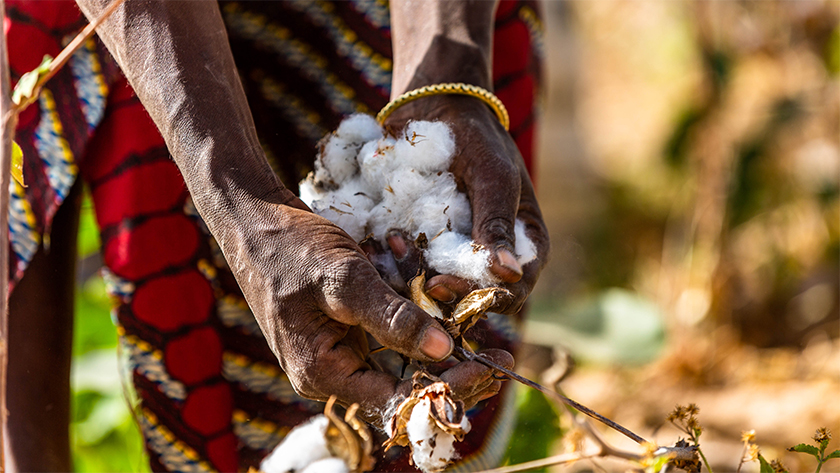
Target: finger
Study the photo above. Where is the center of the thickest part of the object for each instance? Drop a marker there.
(466, 376)
(409, 258)
(448, 288)
(335, 368)
(494, 191)
(491, 391)
(360, 297)
(385, 264)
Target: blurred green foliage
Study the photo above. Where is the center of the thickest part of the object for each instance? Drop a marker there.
(105, 437)
(536, 430)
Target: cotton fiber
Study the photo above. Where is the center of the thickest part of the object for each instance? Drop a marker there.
(369, 183)
(303, 446)
(432, 449)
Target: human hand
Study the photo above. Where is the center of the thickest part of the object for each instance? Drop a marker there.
(315, 295)
(489, 169)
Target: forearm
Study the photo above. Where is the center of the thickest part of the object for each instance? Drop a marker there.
(177, 57)
(438, 41)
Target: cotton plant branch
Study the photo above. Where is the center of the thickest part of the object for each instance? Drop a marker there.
(48, 69)
(466, 354)
(682, 453)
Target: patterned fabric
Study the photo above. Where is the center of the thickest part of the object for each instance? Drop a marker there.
(212, 396)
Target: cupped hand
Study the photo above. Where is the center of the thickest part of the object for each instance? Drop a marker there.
(489, 169)
(316, 294)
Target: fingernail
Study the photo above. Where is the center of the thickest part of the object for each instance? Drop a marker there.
(441, 293)
(397, 244)
(507, 260)
(436, 344)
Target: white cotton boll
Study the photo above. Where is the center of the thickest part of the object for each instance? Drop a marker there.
(408, 185)
(352, 221)
(525, 249)
(338, 160)
(308, 192)
(380, 220)
(432, 448)
(377, 161)
(304, 445)
(328, 465)
(359, 128)
(444, 208)
(453, 253)
(348, 207)
(427, 146)
(460, 213)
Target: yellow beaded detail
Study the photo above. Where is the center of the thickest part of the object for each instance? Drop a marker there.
(451, 88)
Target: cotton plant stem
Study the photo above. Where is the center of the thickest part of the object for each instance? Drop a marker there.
(569, 402)
(545, 462)
(706, 462)
(8, 128)
(68, 51)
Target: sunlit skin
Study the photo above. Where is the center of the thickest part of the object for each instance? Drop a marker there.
(311, 288)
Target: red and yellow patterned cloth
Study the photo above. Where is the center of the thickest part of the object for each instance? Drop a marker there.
(212, 396)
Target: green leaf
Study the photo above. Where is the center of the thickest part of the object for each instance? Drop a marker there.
(805, 448)
(537, 427)
(765, 466)
(17, 164)
(26, 85)
(660, 462)
(834, 454)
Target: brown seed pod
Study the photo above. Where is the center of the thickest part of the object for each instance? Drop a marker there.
(475, 305)
(419, 297)
(349, 438)
(446, 412)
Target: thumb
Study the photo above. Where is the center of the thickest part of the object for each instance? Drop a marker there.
(394, 321)
(494, 213)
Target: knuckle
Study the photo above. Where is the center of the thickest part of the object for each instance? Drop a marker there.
(498, 229)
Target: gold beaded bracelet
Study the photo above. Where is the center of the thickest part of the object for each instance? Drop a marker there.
(451, 88)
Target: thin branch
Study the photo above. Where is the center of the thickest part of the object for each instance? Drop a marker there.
(460, 351)
(68, 52)
(544, 462)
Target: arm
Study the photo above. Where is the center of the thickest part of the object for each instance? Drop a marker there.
(310, 288)
(451, 41)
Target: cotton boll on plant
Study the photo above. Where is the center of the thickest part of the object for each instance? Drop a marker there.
(327, 465)
(432, 448)
(429, 422)
(304, 445)
(326, 443)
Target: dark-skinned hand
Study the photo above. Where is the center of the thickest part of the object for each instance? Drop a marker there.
(327, 295)
(489, 169)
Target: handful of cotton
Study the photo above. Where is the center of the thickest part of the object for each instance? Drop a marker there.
(368, 183)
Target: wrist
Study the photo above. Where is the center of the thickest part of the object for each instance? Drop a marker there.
(445, 61)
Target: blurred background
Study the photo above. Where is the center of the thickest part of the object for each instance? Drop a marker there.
(688, 174)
